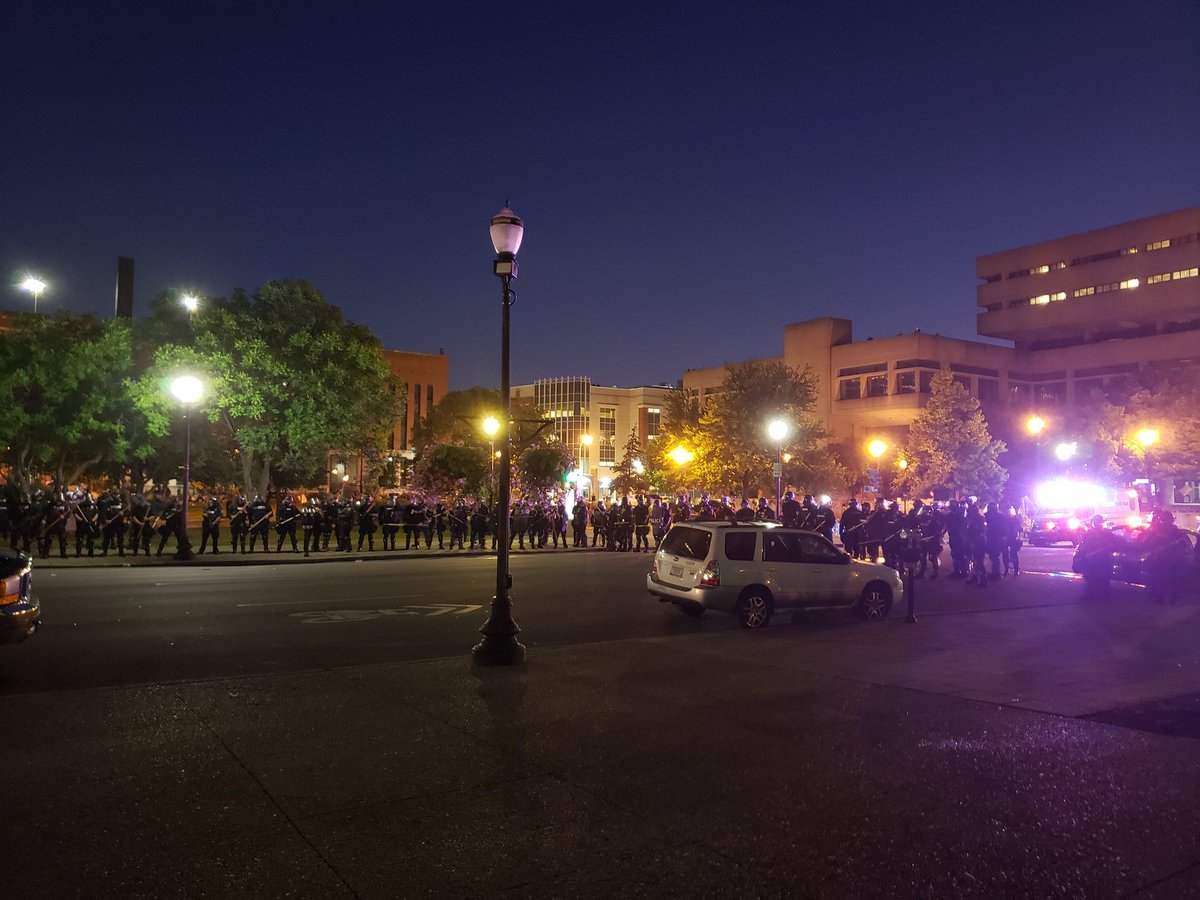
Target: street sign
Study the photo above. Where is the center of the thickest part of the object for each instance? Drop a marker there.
(870, 488)
(873, 474)
(777, 470)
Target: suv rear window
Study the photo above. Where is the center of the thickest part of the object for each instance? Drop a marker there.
(690, 542)
(739, 545)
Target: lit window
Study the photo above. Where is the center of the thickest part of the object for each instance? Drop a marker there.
(1159, 245)
(1061, 264)
(1155, 279)
(1039, 300)
(1186, 273)
(1130, 284)
(1084, 292)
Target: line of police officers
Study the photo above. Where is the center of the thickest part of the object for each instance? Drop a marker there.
(39, 523)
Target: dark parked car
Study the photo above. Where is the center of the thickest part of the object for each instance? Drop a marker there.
(20, 613)
(1129, 562)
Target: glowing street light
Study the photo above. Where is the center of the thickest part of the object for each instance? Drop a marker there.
(33, 285)
(1066, 451)
(777, 430)
(491, 425)
(190, 302)
(187, 389)
(1035, 424)
(681, 455)
(1147, 437)
(877, 448)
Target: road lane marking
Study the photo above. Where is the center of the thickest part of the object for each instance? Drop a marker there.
(326, 600)
(336, 616)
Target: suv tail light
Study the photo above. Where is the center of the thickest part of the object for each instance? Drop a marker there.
(653, 566)
(711, 576)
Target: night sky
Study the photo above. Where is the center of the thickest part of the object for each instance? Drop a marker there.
(692, 176)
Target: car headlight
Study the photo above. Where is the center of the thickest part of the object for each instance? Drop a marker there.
(1073, 523)
(1048, 526)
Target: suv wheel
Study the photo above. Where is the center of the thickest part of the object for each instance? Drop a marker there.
(754, 607)
(876, 601)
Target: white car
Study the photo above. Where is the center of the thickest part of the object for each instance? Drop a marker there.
(754, 569)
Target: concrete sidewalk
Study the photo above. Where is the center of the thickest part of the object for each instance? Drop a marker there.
(837, 758)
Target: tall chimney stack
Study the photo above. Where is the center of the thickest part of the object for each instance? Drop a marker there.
(124, 307)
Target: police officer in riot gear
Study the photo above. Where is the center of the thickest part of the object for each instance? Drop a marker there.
(289, 518)
(259, 514)
(210, 525)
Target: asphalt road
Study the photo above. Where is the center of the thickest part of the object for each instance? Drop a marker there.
(115, 626)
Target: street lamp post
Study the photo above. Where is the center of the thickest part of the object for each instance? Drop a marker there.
(1146, 438)
(187, 390)
(500, 646)
(35, 286)
(490, 427)
(585, 440)
(778, 430)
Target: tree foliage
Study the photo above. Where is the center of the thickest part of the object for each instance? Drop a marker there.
(458, 419)
(63, 409)
(949, 446)
(728, 434)
(630, 473)
(448, 471)
(288, 379)
(540, 469)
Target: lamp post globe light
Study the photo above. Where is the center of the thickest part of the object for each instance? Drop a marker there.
(491, 426)
(1065, 451)
(585, 440)
(500, 646)
(187, 389)
(190, 302)
(33, 285)
(777, 430)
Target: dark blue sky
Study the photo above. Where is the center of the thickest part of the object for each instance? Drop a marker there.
(692, 176)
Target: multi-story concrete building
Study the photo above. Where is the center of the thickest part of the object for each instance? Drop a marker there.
(1083, 313)
(579, 410)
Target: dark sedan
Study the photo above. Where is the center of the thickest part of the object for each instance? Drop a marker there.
(1129, 561)
(1057, 529)
(20, 613)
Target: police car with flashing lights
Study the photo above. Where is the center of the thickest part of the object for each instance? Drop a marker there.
(20, 612)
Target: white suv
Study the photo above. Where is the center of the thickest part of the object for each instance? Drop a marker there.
(753, 569)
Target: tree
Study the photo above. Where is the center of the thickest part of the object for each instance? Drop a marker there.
(288, 379)
(63, 409)
(541, 470)
(948, 446)
(458, 418)
(728, 434)
(1169, 409)
(444, 471)
(630, 477)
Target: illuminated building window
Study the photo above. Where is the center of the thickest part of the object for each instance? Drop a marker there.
(1130, 284)
(1155, 279)
(1043, 299)
(1159, 245)
(850, 389)
(1186, 273)
(877, 386)
(608, 434)
(906, 383)
(1083, 292)
(1128, 250)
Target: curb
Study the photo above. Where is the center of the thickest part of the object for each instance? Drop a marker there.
(229, 558)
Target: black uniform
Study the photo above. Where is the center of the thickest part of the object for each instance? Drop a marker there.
(458, 524)
(259, 514)
(210, 526)
(310, 520)
(238, 513)
(289, 519)
(389, 522)
(368, 519)
(87, 525)
(112, 523)
(139, 524)
(170, 524)
(343, 523)
(641, 524)
(54, 526)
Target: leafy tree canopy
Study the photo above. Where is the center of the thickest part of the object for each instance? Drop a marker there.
(949, 446)
(287, 379)
(62, 404)
(728, 434)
